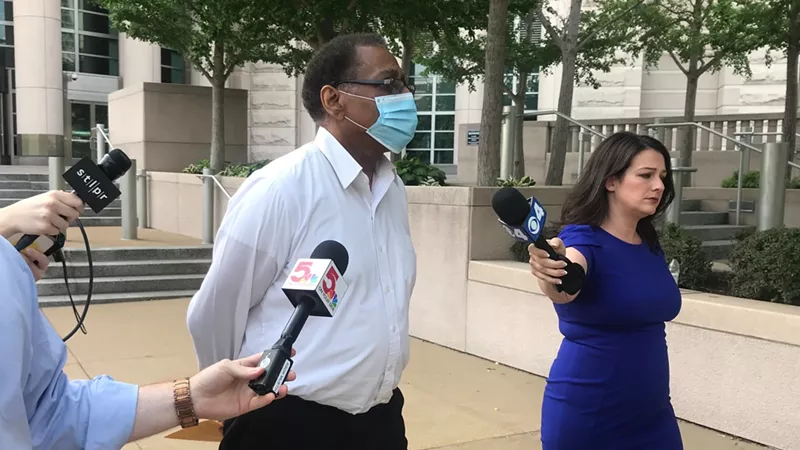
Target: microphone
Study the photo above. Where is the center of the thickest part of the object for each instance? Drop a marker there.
(94, 184)
(524, 220)
(314, 287)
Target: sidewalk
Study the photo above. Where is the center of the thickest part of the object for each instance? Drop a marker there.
(453, 401)
(105, 237)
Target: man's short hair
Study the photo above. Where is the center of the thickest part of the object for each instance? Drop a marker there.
(335, 61)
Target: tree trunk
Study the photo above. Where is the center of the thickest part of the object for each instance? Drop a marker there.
(218, 109)
(518, 169)
(569, 56)
(790, 110)
(407, 39)
(492, 111)
(558, 151)
(687, 140)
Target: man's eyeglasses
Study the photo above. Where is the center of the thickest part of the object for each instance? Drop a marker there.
(393, 85)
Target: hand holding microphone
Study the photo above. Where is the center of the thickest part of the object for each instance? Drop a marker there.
(524, 220)
(547, 269)
(49, 213)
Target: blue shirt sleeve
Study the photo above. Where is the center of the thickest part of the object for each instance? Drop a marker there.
(582, 238)
(39, 407)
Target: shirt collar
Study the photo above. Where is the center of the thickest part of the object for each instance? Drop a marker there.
(344, 165)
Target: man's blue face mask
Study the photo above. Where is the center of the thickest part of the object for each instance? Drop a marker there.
(397, 120)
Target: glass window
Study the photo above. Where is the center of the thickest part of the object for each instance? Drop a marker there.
(532, 94)
(6, 35)
(434, 141)
(94, 23)
(98, 46)
(100, 66)
(7, 56)
(68, 42)
(7, 12)
(67, 19)
(172, 66)
(67, 3)
(89, 5)
(68, 62)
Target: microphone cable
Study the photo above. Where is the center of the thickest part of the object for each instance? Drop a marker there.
(58, 256)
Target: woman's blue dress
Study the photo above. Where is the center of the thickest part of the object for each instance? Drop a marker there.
(608, 388)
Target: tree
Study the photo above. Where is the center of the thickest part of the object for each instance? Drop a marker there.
(491, 112)
(588, 41)
(214, 36)
(700, 36)
(461, 57)
(780, 30)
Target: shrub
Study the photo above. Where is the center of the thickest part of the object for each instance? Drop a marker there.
(229, 170)
(525, 181)
(414, 172)
(695, 268)
(750, 180)
(520, 249)
(765, 266)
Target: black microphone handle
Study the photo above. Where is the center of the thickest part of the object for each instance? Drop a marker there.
(296, 321)
(573, 281)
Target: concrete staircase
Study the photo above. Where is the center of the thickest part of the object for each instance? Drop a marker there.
(712, 228)
(17, 186)
(127, 274)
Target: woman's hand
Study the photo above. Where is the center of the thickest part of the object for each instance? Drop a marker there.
(44, 214)
(36, 261)
(542, 267)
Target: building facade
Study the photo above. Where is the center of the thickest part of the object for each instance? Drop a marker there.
(63, 58)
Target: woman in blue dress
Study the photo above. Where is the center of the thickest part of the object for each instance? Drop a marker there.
(608, 388)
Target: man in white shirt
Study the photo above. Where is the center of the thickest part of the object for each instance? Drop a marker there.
(343, 187)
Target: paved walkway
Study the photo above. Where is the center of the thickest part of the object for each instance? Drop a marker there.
(453, 401)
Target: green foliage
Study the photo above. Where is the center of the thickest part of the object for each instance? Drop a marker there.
(765, 266)
(414, 172)
(197, 168)
(525, 181)
(230, 170)
(237, 31)
(695, 268)
(519, 249)
(698, 35)
(750, 180)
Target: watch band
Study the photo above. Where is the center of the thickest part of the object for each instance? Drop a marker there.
(183, 403)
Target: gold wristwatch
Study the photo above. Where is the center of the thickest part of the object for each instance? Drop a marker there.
(183, 403)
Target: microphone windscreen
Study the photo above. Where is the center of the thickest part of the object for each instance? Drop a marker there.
(114, 164)
(334, 251)
(510, 206)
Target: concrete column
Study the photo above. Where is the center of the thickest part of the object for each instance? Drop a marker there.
(37, 52)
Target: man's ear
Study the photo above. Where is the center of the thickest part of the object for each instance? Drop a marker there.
(331, 102)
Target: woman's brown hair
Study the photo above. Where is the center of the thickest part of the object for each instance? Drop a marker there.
(587, 202)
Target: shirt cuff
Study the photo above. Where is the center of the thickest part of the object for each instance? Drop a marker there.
(113, 412)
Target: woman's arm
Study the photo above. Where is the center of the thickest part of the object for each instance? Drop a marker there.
(548, 284)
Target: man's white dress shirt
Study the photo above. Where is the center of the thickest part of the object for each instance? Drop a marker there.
(353, 360)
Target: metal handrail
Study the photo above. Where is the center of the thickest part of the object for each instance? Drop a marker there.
(565, 117)
(216, 182)
(105, 136)
(716, 133)
(739, 145)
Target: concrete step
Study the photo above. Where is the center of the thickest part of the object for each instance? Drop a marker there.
(24, 185)
(63, 300)
(114, 285)
(199, 252)
(19, 193)
(95, 221)
(718, 250)
(691, 205)
(715, 232)
(24, 177)
(689, 218)
(129, 268)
